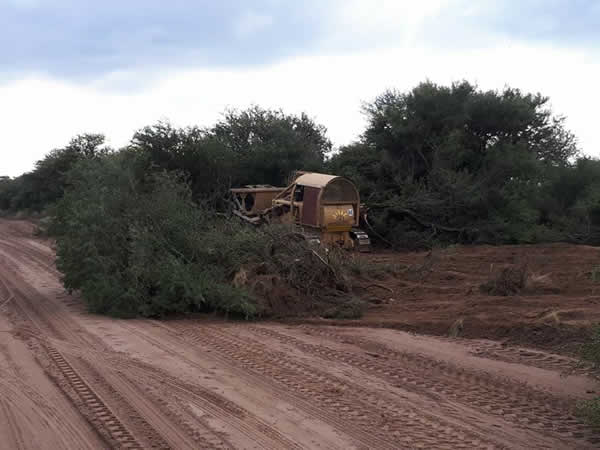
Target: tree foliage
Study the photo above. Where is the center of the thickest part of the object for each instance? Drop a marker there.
(246, 147)
(35, 190)
(459, 164)
(140, 246)
(135, 243)
(142, 230)
(269, 145)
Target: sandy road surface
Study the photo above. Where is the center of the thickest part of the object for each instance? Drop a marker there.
(72, 380)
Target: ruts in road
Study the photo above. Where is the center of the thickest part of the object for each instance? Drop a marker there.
(72, 380)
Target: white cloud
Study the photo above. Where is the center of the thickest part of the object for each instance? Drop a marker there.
(25, 4)
(251, 22)
(381, 15)
(39, 114)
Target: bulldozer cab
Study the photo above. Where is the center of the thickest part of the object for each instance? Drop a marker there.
(322, 201)
(328, 205)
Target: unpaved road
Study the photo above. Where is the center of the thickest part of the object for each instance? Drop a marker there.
(72, 380)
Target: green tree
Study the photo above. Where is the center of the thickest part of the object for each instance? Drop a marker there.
(138, 245)
(457, 163)
(134, 243)
(46, 183)
(269, 145)
(193, 152)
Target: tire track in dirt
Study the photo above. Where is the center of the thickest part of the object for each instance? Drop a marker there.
(211, 402)
(163, 387)
(79, 391)
(144, 387)
(518, 404)
(365, 416)
(72, 333)
(110, 424)
(534, 358)
(35, 256)
(504, 352)
(45, 416)
(461, 412)
(84, 397)
(106, 421)
(15, 436)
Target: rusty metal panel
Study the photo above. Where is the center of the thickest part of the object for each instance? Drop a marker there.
(338, 217)
(310, 207)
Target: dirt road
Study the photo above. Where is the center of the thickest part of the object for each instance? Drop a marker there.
(72, 380)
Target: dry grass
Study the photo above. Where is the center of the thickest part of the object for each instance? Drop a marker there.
(456, 328)
(508, 281)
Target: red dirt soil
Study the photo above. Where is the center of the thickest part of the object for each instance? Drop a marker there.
(73, 380)
(440, 293)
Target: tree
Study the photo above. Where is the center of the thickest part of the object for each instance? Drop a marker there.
(46, 183)
(255, 146)
(193, 152)
(463, 124)
(454, 162)
(269, 145)
(134, 243)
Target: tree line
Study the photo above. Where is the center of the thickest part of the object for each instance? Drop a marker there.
(435, 165)
(144, 230)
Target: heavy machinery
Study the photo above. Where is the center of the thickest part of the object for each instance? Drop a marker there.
(325, 207)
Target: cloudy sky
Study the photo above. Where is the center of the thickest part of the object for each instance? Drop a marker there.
(74, 66)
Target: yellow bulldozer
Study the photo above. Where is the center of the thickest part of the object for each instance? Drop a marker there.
(325, 207)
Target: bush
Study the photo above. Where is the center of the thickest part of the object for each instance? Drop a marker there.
(140, 246)
(136, 246)
(591, 350)
(590, 410)
(508, 281)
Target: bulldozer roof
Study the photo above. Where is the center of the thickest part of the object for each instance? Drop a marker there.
(313, 179)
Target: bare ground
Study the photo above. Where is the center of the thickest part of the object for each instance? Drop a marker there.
(73, 380)
(439, 293)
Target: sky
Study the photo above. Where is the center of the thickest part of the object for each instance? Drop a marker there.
(77, 66)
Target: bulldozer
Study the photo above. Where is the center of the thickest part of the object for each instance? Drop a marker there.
(326, 208)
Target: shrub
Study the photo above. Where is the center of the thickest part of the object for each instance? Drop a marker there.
(595, 274)
(508, 281)
(140, 246)
(137, 246)
(590, 410)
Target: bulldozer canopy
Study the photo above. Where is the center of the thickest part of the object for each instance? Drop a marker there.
(335, 189)
(318, 180)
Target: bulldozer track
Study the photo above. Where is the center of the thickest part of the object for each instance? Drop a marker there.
(213, 403)
(103, 418)
(543, 360)
(101, 413)
(38, 315)
(518, 404)
(366, 417)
